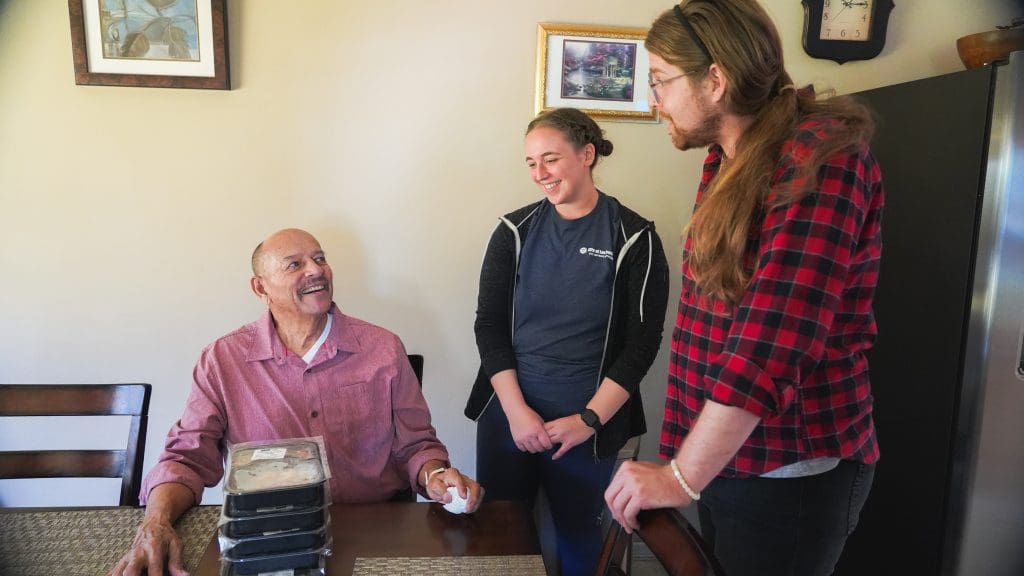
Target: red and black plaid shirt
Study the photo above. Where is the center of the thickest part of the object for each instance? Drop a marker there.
(792, 350)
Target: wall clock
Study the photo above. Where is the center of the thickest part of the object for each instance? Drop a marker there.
(844, 30)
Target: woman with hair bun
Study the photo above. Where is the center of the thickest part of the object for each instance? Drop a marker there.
(573, 292)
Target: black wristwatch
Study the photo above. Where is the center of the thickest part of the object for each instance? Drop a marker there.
(590, 418)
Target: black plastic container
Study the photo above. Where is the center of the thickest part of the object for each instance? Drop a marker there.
(274, 477)
(303, 563)
(306, 498)
(261, 525)
(285, 543)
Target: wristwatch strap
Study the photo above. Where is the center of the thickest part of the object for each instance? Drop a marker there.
(590, 418)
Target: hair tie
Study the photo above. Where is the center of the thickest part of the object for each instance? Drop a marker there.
(787, 87)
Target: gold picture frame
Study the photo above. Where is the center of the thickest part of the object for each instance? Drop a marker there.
(602, 70)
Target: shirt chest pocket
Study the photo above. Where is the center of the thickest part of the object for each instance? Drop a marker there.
(358, 417)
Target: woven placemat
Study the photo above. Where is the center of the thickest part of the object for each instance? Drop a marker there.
(450, 565)
(88, 542)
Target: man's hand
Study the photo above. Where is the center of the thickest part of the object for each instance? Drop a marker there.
(528, 431)
(437, 488)
(641, 486)
(569, 431)
(156, 545)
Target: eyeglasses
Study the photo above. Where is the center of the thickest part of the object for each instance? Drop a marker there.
(655, 84)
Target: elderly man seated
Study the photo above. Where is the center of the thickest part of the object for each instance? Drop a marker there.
(304, 369)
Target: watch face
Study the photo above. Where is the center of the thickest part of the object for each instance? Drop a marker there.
(848, 20)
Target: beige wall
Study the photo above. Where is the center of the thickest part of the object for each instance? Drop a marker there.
(390, 129)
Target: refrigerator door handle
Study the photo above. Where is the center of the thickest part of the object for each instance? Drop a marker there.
(1020, 355)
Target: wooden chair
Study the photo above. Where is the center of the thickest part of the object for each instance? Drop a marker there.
(80, 400)
(416, 361)
(676, 544)
(629, 451)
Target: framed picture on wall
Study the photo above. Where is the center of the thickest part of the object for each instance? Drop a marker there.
(156, 43)
(601, 70)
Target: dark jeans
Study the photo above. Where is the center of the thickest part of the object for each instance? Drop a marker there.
(574, 485)
(784, 526)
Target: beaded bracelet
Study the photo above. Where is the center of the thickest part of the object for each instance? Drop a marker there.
(686, 487)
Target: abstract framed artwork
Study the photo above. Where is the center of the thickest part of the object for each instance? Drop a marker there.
(601, 70)
(155, 43)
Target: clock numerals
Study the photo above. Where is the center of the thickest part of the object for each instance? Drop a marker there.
(846, 20)
(843, 34)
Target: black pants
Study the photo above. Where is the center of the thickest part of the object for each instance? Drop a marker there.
(574, 485)
(784, 526)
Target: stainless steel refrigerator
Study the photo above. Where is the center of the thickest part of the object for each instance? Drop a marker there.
(948, 366)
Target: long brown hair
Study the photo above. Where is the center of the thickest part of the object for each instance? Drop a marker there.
(742, 40)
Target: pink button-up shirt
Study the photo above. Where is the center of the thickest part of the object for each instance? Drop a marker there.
(359, 393)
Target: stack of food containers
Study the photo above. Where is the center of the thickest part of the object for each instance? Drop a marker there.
(275, 516)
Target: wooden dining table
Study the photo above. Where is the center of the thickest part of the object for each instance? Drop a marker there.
(394, 538)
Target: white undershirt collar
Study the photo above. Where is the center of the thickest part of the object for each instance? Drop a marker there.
(311, 353)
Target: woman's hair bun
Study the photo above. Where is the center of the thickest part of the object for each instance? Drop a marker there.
(578, 128)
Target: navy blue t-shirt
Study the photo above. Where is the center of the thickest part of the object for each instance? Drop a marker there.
(563, 296)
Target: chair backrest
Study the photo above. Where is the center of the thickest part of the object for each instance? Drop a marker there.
(619, 541)
(80, 400)
(629, 451)
(416, 361)
(676, 544)
(614, 560)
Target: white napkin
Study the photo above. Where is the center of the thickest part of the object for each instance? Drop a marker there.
(458, 503)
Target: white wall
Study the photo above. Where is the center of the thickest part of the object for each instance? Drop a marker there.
(390, 129)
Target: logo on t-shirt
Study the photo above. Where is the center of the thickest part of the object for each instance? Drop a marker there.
(596, 253)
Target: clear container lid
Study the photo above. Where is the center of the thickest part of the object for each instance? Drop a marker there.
(308, 563)
(264, 466)
(287, 542)
(266, 524)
